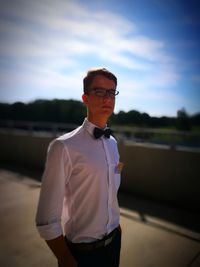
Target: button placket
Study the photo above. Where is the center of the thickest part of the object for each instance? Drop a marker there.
(108, 159)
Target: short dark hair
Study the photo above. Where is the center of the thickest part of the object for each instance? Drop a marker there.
(92, 73)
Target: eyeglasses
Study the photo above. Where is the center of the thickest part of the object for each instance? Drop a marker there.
(102, 92)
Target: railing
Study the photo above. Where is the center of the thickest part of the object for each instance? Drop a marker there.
(32, 127)
(170, 137)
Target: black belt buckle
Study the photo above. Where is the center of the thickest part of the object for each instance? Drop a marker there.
(108, 241)
(111, 236)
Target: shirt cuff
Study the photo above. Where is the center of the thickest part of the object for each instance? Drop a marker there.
(50, 231)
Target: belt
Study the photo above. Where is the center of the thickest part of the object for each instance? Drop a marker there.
(97, 244)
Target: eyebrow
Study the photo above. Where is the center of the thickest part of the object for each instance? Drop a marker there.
(101, 88)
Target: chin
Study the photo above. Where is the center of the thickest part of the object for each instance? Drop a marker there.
(107, 112)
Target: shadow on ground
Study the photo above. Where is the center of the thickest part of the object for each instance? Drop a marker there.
(148, 211)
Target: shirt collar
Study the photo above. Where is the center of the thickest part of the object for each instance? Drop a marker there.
(89, 126)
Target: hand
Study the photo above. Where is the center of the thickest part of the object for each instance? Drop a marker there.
(62, 252)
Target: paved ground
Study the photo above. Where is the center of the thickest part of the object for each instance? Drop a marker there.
(153, 235)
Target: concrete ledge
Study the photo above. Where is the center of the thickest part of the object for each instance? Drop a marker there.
(160, 173)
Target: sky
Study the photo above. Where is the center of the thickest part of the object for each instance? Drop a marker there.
(152, 46)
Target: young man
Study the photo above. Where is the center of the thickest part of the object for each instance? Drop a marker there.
(80, 184)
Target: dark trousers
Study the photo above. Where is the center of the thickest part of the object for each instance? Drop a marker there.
(108, 256)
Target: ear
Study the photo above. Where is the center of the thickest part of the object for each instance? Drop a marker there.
(85, 99)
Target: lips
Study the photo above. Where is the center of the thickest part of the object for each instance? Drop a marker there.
(109, 107)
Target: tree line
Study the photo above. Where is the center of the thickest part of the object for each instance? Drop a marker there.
(74, 111)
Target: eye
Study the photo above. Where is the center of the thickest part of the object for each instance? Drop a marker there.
(100, 92)
(112, 92)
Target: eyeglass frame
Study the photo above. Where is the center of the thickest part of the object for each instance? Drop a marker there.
(112, 93)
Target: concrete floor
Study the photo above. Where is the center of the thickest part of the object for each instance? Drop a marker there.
(154, 235)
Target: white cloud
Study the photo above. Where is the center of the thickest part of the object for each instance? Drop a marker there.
(72, 29)
(49, 39)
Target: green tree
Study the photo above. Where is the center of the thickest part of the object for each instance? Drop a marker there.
(183, 121)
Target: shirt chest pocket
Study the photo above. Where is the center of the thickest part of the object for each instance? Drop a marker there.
(115, 175)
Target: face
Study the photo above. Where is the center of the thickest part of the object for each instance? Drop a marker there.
(99, 106)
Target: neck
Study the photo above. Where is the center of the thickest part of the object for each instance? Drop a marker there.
(99, 122)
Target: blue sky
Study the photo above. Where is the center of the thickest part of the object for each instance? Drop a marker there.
(153, 47)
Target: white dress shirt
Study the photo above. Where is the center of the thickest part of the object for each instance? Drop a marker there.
(79, 184)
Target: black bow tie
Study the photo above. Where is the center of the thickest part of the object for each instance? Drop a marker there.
(99, 132)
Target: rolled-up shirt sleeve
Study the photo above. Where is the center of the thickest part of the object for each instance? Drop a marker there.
(55, 177)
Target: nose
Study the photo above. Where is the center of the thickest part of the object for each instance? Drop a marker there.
(108, 99)
(108, 96)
